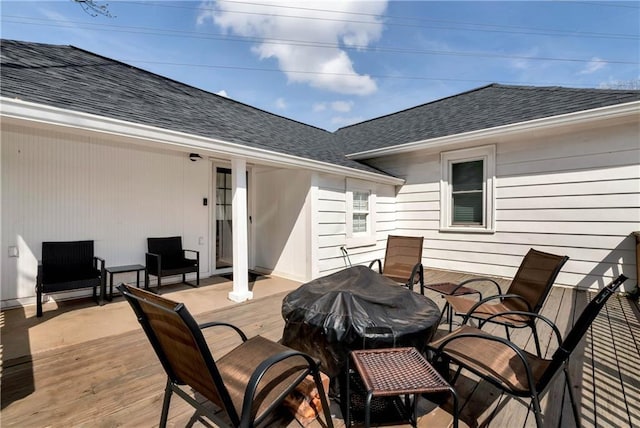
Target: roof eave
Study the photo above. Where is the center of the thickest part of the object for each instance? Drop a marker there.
(150, 135)
(608, 113)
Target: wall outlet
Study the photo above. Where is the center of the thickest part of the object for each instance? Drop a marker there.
(201, 240)
(13, 251)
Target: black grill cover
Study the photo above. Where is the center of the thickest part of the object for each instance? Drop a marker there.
(353, 309)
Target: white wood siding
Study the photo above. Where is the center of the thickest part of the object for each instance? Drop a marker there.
(281, 222)
(62, 186)
(576, 194)
(332, 233)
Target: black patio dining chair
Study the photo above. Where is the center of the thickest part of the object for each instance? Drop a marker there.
(246, 385)
(512, 369)
(166, 257)
(67, 266)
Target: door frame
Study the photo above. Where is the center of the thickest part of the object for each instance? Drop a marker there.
(215, 164)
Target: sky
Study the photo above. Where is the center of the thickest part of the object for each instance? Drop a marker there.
(331, 64)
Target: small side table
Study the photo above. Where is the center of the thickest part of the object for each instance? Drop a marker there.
(123, 269)
(392, 372)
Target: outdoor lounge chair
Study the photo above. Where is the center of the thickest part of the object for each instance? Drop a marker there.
(527, 292)
(68, 265)
(166, 257)
(403, 260)
(247, 384)
(512, 369)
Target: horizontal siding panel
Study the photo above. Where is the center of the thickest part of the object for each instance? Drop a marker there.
(418, 197)
(574, 162)
(420, 188)
(331, 195)
(325, 205)
(330, 218)
(559, 177)
(584, 201)
(418, 206)
(418, 215)
(331, 240)
(580, 228)
(436, 248)
(587, 214)
(418, 224)
(538, 240)
(572, 189)
(331, 229)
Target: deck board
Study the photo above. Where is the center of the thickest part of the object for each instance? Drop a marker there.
(117, 380)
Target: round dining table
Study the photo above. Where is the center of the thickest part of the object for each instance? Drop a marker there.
(355, 308)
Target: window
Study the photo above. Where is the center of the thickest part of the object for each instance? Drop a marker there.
(360, 217)
(466, 190)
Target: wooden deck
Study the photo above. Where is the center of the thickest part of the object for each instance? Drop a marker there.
(117, 380)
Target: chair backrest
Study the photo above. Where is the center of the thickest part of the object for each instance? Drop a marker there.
(171, 245)
(180, 346)
(67, 253)
(588, 315)
(402, 254)
(534, 279)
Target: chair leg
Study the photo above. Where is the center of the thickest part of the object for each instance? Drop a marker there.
(574, 406)
(323, 399)
(537, 410)
(506, 329)
(39, 302)
(168, 390)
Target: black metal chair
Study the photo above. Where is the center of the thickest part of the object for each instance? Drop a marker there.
(247, 384)
(66, 266)
(514, 370)
(527, 292)
(166, 257)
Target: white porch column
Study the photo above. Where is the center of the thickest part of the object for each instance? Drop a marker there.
(240, 291)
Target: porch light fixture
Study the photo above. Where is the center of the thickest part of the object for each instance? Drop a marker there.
(194, 157)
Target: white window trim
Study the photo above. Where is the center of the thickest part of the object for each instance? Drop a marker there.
(360, 239)
(488, 155)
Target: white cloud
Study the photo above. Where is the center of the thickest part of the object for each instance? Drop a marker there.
(594, 65)
(222, 93)
(281, 104)
(342, 106)
(318, 60)
(318, 107)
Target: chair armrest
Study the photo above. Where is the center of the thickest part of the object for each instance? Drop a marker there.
(153, 262)
(224, 324)
(550, 323)
(192, 251)
(480, 279)
(487, 299)
(99, 260)
(259, 372)
(379, 265)
(417, 270)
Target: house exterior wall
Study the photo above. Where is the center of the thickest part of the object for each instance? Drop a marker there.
(281, 222)
(331, 221)
(575, 192)
(59, 185)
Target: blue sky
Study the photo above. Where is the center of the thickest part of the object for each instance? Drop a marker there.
(334, 63)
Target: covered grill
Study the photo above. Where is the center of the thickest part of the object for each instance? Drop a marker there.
(355, 308)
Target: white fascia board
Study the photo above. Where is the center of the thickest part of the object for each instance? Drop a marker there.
(570, 119)
(40, 113)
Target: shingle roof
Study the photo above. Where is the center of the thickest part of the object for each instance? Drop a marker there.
(74, 79)
(482, 108)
